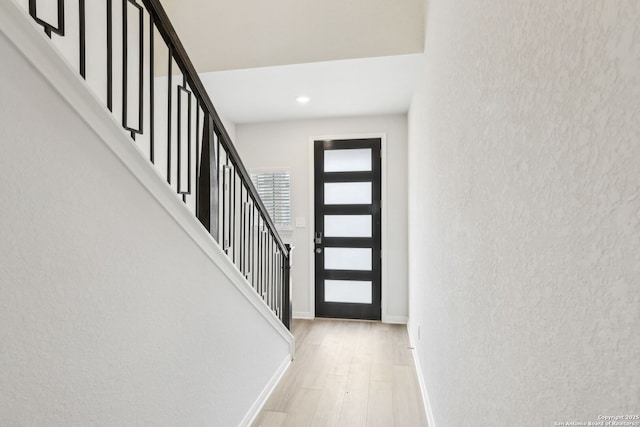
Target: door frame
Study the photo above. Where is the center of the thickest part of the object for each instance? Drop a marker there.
(311, 247)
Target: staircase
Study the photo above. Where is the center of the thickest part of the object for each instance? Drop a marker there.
(142, 282)
(131, 57)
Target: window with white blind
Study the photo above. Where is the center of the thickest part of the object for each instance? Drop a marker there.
(274, 188)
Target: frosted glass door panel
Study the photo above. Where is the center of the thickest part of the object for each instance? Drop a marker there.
(347, 193)
(347, 160)
(347, 225)
(347, 259)
(351, 291)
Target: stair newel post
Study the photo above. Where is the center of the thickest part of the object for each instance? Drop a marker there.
(287, 311)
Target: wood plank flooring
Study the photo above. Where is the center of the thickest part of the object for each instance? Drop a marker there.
(347, 373)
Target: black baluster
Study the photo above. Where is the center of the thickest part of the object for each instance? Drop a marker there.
(197, 150)
(169, 116)
(110, 55)
(152, 148)
(82, 47)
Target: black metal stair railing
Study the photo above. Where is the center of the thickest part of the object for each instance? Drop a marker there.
(132, 57)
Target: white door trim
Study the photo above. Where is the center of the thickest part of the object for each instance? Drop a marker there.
(384, 217)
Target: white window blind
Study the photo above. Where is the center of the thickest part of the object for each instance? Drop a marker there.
(274, 188)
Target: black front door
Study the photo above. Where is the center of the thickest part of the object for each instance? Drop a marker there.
(347, 228)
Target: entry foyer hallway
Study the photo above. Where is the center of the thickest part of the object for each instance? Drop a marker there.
(347, 373)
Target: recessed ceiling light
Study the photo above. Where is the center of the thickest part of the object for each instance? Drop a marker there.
(303, 99)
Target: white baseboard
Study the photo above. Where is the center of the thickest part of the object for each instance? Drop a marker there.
(251, 416)
(401, 320)
(423, 387)
(303, 315)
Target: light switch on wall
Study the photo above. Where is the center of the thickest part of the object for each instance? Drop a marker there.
(301, 222)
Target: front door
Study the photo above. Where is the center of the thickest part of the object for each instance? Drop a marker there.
(347, 228)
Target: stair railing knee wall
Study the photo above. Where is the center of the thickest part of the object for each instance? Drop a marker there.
(150, 84)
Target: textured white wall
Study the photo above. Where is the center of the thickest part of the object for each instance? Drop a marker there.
(110, 313)
(524, 158)
(286, 144)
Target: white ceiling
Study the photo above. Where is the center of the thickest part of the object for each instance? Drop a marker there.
(356, 87)
(237, 34)
(351, 57)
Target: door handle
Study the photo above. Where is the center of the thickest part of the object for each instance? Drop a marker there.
(318, 239)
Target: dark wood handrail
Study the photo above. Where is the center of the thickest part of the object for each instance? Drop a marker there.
(168, 33)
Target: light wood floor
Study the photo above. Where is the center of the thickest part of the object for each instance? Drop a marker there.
(347, 373)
